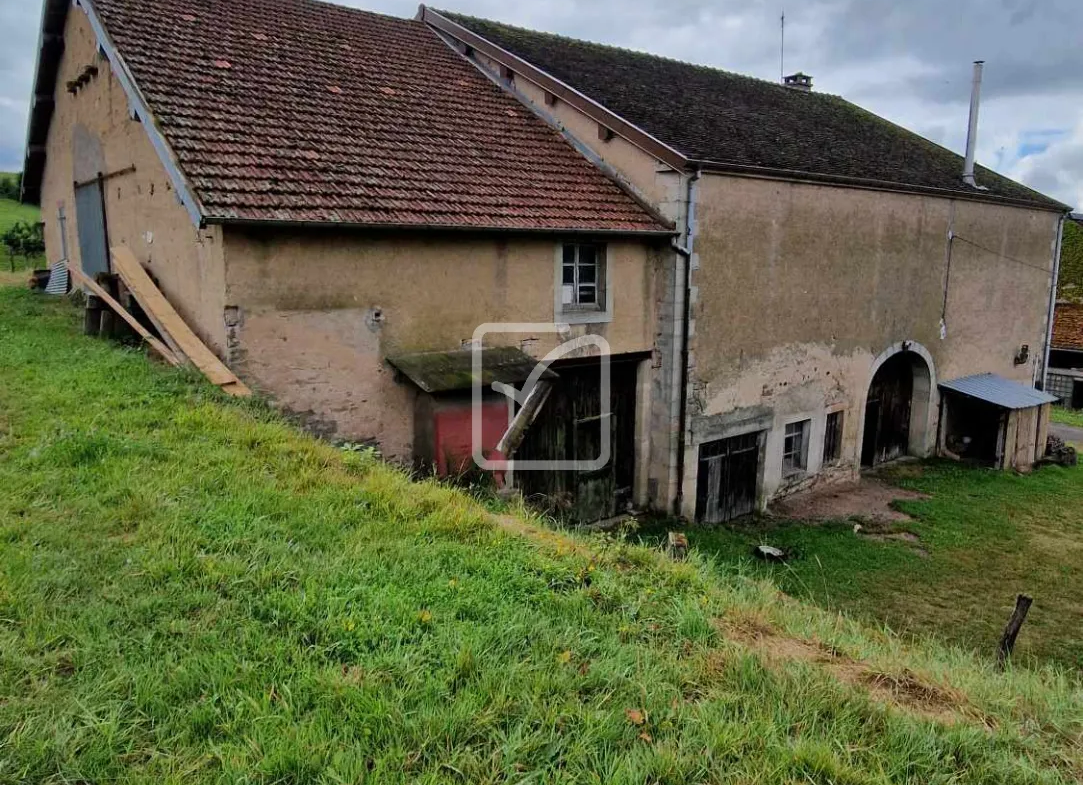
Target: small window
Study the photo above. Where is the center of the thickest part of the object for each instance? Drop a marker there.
(583, 282)
(795, 448)
(833, 438)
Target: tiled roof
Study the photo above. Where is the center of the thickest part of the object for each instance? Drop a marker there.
(715, 116)
(294, 110)
(1068, 326)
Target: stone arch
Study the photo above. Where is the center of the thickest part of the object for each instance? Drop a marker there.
(912, 364)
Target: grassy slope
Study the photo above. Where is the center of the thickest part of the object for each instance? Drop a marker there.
(1067, 416)
(988, 535)
(192, 591)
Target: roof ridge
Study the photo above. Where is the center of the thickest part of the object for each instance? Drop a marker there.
(455, 15)
(744, 123)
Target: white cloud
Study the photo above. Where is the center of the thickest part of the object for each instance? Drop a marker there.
(1058, 169)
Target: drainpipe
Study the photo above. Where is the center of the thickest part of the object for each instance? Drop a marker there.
(1052, 302)
(972, 130)
(686, 320)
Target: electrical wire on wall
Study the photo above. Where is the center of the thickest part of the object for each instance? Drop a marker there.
(947, 274)
(952, 237)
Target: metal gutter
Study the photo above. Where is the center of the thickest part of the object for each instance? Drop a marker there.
(140, 109)
(564, 92)
(798, 176)
(1057, 248)
(687, 252)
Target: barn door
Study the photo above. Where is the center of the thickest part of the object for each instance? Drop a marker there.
(887, 412)
(570, 427)
(595, 492)
(729, 471)
(90, 220)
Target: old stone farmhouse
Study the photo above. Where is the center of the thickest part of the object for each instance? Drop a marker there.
(788, 286)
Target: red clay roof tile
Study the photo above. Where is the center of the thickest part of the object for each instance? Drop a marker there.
(1068, 326)
(295, 110)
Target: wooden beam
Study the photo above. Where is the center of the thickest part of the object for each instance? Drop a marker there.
(523, 419)
(81, 279)
(170, 323)
(106, 176)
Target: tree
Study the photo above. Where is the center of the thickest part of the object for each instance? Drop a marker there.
(10, 186)
(23, 239)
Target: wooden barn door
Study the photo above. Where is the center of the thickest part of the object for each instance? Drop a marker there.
(729, 471)
(571, 426)
(887, 412)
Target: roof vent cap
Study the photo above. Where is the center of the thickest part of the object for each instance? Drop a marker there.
(799, 81)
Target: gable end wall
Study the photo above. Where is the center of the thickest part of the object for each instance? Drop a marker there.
(91, 132)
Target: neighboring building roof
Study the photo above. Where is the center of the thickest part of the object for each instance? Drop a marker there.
(735, 121)
(1070, 278)
(1068, 326)
(999, 391)
(436, 372)
(300, 111)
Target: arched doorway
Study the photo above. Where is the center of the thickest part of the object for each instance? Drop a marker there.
(897, 408)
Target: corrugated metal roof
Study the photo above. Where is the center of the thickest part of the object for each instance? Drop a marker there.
(998, 391)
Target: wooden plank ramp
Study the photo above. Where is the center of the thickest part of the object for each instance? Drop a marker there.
(170, 324)
(81, 279)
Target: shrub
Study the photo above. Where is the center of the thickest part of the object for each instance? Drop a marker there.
(23, 239)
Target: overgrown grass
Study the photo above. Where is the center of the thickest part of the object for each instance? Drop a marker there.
(984, 537)
(191, 591)
(1071, 417)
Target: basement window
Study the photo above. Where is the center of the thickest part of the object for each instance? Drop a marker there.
(795, 448)
(833, 439)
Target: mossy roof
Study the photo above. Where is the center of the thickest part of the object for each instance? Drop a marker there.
(709, 115)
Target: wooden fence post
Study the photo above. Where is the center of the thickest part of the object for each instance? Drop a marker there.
(1011, 632)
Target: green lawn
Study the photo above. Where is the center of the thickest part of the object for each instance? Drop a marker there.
(192, 591)
(984, 537)
(1067, 416)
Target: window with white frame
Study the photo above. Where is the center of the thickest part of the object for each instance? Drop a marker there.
(795, 448)
(583, 277)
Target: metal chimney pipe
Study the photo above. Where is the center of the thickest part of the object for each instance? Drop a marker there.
(972, 131)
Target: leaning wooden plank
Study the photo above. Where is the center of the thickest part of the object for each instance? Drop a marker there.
(158, 308)
(153, 318)
(154, 343)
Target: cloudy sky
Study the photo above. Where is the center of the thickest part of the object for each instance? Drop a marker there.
(908, 60)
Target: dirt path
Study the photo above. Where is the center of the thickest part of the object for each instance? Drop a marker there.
(1069, 433)
(867, 500)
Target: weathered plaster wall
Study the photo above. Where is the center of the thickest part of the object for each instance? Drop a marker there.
(318, 313)
(666, 190)
(92, 133)
(799, 289)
